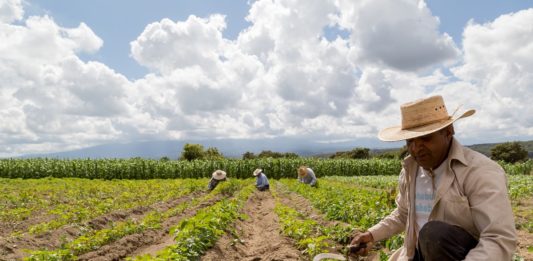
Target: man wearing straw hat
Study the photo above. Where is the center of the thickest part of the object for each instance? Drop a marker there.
(307, 176)
(261, 180)
(217, 177)
(453, 202)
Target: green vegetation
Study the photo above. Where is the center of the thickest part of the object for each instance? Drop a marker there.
(357, 201)
(195, 235)
(196, 152)
(486, 148)
(269, 154)
(150, 169)
(137, 168)
(510, 152)
(73, 200)
(357, 153)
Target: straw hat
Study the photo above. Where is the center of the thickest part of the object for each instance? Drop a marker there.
(302, 171)
(257, 171)
(219, 174)
(422, 117)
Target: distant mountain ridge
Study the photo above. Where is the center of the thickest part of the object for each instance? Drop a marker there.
(231, 148)
(234, 148)
(485, 148)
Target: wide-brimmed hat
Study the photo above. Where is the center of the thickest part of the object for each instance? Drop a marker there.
(257, 171)
(422, 117)
(219, 174)
(302, 171)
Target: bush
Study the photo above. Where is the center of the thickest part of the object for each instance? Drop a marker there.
(248, 155)
(357, 153)
(509, 152)
(277, 155)
(196, 152)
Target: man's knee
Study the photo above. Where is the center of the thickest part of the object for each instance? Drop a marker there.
(433, 231)
(442, 241)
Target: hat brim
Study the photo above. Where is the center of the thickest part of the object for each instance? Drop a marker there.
(219, 177)
(397, 134)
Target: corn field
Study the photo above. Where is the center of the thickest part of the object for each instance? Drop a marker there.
(150, 169)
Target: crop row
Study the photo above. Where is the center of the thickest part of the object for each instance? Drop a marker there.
(348, 202)
(73, 201)
(193, 236)
(357, 201)
(311, 237)
(149, 169)
(93, 239)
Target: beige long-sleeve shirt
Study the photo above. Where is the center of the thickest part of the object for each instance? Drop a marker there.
(472, 194)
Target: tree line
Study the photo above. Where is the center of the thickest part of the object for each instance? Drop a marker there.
(510, 152)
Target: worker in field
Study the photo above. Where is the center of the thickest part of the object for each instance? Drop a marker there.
(452, 201)
(307, 176)
(261, 182)
(217, 177)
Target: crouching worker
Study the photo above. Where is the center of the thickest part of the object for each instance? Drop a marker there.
(217, 177)
(307, 176)
(261, 180)
(452, 202)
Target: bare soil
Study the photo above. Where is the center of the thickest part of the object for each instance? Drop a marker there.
(257, 237)
(525, 239)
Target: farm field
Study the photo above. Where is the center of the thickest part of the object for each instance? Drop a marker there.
(178, 219)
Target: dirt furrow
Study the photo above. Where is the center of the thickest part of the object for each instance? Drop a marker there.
(12, 248)
(134, 244)
(304, 206)
(257, 237)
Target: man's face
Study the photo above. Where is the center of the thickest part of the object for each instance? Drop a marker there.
(431, 150)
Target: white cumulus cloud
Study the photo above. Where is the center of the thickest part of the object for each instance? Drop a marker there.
(323, 70)
(498, 63)
(11, 10)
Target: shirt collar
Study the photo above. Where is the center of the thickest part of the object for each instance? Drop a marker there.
(456, 153)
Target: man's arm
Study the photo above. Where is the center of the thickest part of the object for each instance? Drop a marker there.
(395, 222)
(261, 181)
(312, 175)
(486, 189)
(211, 184)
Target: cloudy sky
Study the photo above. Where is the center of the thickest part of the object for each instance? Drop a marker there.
(81, 73)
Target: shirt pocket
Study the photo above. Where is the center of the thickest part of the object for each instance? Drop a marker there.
(457, 212)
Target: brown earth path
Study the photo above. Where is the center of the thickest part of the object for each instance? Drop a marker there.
(524, 247)
(259, 236)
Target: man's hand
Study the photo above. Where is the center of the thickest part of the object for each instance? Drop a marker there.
(363, 238)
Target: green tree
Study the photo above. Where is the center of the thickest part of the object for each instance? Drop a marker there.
(269, 154)
(357, 153)
(273, 154)
(388, 155)
(290, 155)
(248, 155)
(212, 153)
(510, 152)
(192, 152)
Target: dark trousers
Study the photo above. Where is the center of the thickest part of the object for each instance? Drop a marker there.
(441, 241)
(263, 188)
